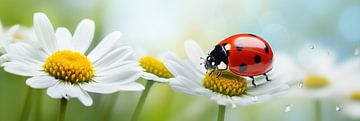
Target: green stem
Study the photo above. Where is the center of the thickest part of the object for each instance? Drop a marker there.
(221, 113)
(141, 102)
(318, 114)
(110, 104)
(27, 105)
(63, 104)
(38, 105)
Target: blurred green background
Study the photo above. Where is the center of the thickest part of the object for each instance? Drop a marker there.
(163, 25)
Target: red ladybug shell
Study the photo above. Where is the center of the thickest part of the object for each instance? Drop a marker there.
(249, 55)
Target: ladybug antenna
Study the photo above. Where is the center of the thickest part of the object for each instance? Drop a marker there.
(202, 58)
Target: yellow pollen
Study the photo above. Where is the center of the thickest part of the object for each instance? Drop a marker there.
(316, 81)
(355, 96)
(69, 66)
(155, 66)
(18, 36)
(227, 83)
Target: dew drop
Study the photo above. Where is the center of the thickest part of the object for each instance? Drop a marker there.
(288, 108)
(301, 85)
(357, 51)
(338, 108)
(312, 47)
(255, 99)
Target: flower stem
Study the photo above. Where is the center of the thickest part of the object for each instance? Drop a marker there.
(141, 102)
(318, 114)
(38, 105)
(27, 105)
(221, 113)
(63, 104)
(110, 105)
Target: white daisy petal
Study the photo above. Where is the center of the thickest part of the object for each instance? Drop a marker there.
(111, 88)
(64, 39)
(150, 76)
(45, 32)
(104, 46)
(20, 69)
(83, 35)
(195, 53)
(123, 75)
(57, 91)
(121, 53)
(74, 91)
(12, 30)
(26, 50)
(133, 86)
(41, 81)
(67, 91)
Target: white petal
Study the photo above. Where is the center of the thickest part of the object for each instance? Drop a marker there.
(109, 59)
(74, 91)
(104, 46)
(83, 35)
(123, 75)
(27, 51)
(45, 32)
(67, 91)
(41, 81)
(184, 82)
(57, 91)
(150, 76)
(23, 70)
(195, 53)
(64, 39)
(111, 87)
(267, 88)
(179, 69)
(12, 30)
(134, 86)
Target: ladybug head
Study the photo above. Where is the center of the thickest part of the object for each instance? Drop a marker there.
(217, 55)
(209, 63)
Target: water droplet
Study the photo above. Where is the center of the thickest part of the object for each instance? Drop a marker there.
(338, 108)
(357, 51)
(312, 47)
(301, 84)
(288, 108)
(255, 99)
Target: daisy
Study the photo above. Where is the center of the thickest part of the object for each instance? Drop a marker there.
(225, 90)
(321, 75)
(154, 70)
(62, 66)
(350, 89)
(12, 35)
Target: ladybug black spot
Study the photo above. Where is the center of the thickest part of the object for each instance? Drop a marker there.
(257, 59)
(266, 49)
(239, 47)
(243, 67)
(252, 35)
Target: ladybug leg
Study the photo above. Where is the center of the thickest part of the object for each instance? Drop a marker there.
(252, 81)
(220, 71)
(267, 78)
(212, 71)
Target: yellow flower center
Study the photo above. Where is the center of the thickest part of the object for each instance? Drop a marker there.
(355, 96)
(69, 66)
(227, 83)
(316, 81)
(155, 66)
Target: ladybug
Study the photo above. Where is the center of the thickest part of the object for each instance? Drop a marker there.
(243, 54)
